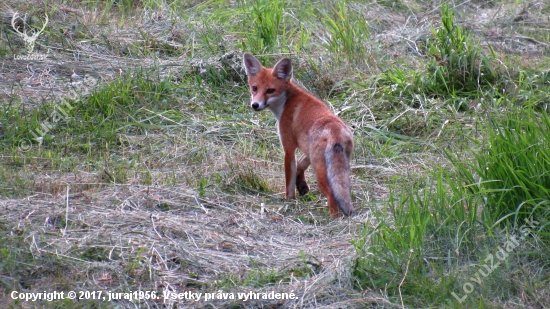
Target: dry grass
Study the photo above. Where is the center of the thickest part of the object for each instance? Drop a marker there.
(123, 224)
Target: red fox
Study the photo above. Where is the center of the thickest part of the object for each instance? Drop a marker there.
(304, 122)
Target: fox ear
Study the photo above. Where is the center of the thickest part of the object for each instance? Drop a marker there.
(283, 69)
(251, 65)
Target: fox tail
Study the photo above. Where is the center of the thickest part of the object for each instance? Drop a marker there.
(338, 174)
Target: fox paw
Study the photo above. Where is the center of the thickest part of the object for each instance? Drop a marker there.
(302, 187)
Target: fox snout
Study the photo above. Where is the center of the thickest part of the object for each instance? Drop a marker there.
(258, 106)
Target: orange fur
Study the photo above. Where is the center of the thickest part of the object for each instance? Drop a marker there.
(305, 123)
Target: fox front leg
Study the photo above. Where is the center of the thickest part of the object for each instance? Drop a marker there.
(290, 174)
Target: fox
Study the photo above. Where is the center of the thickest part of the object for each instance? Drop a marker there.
(304, 122)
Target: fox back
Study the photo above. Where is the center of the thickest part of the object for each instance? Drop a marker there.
(306, 123)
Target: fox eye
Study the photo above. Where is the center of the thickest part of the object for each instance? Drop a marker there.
(270, 91)
(254, 88)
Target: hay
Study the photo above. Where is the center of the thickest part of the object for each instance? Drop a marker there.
(193, 244)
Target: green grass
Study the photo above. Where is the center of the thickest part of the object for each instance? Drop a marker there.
(435, 240)
(427, 231)
(93, 120)
(512, 168)
(266, 24)
(347, 32)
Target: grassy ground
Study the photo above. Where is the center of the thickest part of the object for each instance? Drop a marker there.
(130, 161)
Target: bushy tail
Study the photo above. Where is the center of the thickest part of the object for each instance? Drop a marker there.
(337, 163)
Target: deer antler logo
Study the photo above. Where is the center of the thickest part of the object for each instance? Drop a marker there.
(28, 36)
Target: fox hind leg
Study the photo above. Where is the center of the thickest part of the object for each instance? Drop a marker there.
(301, 183)
(324, 187)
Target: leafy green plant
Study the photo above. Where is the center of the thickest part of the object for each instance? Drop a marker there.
(457, 69)
(398, 83)
(533, 89)
(458, 66)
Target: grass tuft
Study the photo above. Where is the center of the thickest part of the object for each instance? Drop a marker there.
(347, 32)
(512, 167)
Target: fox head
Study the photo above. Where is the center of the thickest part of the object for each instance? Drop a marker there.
(268, 87)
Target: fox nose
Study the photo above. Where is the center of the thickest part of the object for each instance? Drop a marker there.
(255, 105)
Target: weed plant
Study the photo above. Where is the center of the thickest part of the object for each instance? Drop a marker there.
(458, 66)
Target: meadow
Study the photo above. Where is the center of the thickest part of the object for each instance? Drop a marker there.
(130, 161)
